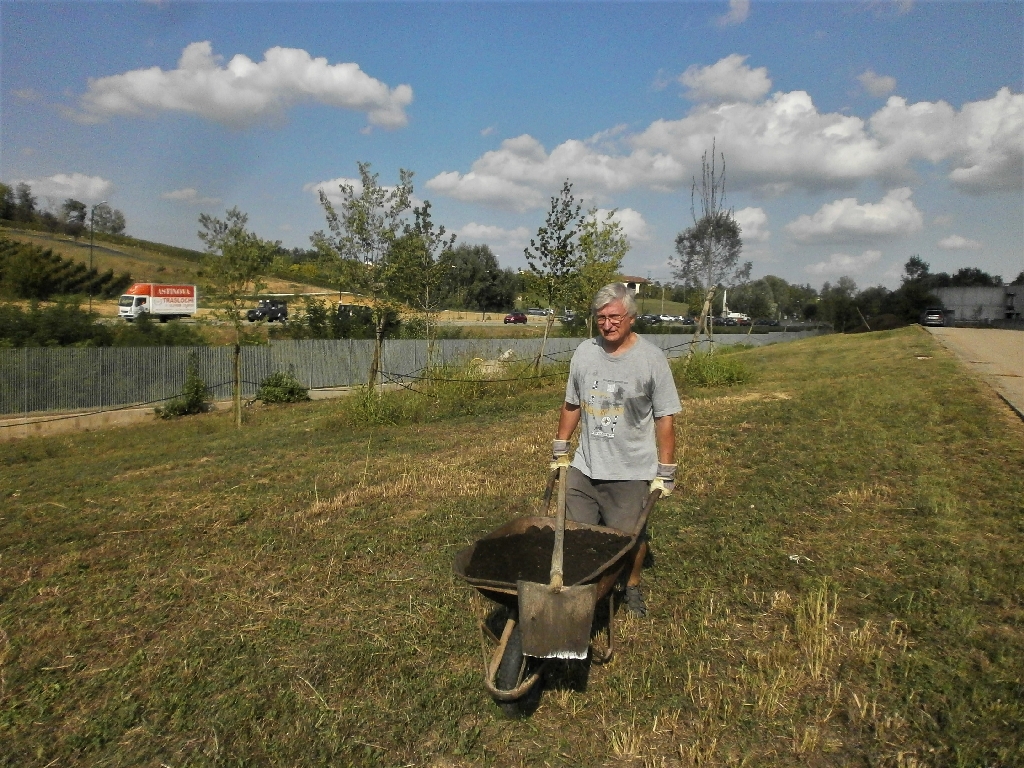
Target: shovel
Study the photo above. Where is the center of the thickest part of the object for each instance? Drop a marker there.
(555, 620)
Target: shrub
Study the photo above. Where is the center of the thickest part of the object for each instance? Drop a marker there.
(282, 387)
(707, 369)
(194, 399)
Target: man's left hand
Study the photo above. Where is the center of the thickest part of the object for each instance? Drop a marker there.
(665, 481)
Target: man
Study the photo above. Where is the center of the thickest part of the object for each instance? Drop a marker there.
(621, 391)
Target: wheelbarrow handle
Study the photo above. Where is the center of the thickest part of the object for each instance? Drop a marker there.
(651, 499)
(552, 478)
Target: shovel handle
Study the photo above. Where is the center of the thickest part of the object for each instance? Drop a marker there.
(556, 555)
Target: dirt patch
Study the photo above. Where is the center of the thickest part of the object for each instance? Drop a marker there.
(527, 555)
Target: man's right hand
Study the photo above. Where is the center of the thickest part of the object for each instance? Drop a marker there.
(559, 454)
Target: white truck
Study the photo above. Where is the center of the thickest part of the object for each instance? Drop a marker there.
(165, 302)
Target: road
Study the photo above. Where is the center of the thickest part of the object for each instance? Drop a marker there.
(995, 355)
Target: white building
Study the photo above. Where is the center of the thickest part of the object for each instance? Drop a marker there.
(983, 304)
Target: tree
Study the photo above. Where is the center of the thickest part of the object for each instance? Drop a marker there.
(25, 203)
(73, 214)
(471, 278)
(236, 264)
(602, 247)
(7, 203)
(837, 303)
(708, 252)
(971, 276)
(108, 220)
(916, 268)
(363, 229)
(1019, 279)
(552, 255)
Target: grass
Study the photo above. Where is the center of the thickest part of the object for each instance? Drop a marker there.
(837, 582)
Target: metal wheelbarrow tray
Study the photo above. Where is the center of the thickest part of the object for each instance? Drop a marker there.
(523, 546)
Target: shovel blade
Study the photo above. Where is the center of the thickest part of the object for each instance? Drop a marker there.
(556, 624)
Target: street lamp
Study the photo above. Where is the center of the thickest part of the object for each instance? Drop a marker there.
(92, 231)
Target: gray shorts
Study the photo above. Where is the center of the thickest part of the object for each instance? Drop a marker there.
(614, 503)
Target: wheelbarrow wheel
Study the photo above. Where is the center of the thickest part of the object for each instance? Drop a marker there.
(512, 670)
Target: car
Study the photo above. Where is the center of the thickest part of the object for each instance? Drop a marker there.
(668, 318)
(269, 310)
(651, 319)
(537, 312)
(933, 316)
(515, 317)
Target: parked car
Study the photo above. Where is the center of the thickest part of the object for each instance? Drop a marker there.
(515, 317)
(269, 310)
(537, 312)
(933, 316)
(668, 318)
(650, 319)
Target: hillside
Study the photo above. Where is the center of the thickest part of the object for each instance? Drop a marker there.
(142, 263)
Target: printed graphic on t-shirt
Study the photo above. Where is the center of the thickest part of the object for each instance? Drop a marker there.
(604, 405)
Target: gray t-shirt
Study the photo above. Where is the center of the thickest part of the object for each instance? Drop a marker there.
(620, 396)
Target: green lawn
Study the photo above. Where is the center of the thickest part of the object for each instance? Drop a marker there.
(837, 582)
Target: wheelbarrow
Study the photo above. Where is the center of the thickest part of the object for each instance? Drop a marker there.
(521, 549)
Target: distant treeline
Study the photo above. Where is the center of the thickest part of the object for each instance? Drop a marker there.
(30, 272)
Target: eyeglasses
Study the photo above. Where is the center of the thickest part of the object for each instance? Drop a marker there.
(611, 319)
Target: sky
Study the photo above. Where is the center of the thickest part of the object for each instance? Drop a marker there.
(854, 134)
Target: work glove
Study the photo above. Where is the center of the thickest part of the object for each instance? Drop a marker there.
(559, 454)
(665, 480)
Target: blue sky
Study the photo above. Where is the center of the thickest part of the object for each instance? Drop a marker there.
(855, 134)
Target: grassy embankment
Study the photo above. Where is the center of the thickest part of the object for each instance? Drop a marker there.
(838, 582)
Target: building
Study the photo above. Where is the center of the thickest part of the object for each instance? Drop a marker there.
(633, 283)
(983, 303)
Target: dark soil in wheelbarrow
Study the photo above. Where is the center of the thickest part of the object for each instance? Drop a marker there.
(527, 555)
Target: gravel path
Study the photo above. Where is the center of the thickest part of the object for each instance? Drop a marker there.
(996, 355)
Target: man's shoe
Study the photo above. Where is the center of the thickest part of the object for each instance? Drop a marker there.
(635, 602)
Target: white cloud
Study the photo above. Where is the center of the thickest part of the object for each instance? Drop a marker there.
(487, 233)
(753, 225)
(27, 94)
(943, 220)
(488, 130)
(958, 243)
(738, 12)
(61, 186)
(846, 219)
(243, 92)
(771, 147)
(877, 85)
(842, 264)
(633, 224)
(191, 196)
(727, 80)
(984, 142)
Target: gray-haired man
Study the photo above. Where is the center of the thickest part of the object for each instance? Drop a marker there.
(621, 393)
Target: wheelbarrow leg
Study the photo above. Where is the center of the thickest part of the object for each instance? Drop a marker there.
(606, 656)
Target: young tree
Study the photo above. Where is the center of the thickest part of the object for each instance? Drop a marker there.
(363, 229)
(708, 252)
(602, 247)
(425, 266)
(236, 264)
(552, 256)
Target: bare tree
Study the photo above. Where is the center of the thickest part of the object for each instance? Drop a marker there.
(708, 252)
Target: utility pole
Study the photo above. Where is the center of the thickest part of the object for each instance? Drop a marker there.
(92, 232)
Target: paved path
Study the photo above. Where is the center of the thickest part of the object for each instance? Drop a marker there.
(996, 355)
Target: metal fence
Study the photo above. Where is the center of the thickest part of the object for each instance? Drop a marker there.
(71, 379)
